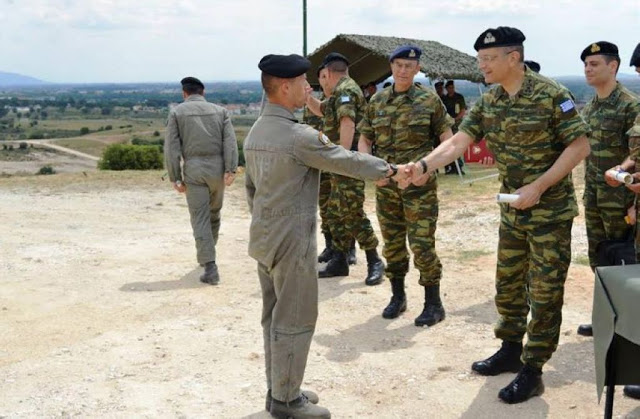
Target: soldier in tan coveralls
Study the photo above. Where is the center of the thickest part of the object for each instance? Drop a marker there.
(532, 127)
(284, 159)
(634, 145)
(200, 135)
(610, 114)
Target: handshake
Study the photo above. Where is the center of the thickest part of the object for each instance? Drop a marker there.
(410, 173)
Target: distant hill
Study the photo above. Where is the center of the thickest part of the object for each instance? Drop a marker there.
(14, 79)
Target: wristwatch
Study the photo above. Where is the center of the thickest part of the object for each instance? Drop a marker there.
(423, 164)
(394, 170)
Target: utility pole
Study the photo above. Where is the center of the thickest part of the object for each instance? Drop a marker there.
(304, 28)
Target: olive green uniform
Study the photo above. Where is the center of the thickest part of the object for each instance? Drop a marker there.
(201, 135)
(402, 128)
(284, 160)
(527, 134)
(345, 211)
(606, 207)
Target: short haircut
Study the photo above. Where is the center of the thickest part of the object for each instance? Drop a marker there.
(192, 89)
(518, 48)
(609, 58)
(270, 83)
(338, 66)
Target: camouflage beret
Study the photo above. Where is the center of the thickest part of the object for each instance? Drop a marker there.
(600, 48)
(502, 36)
(635, 57)
(191, 81)
(534, 66)
(284, 66)
(407, 52)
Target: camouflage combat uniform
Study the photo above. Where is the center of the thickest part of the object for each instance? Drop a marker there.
(527, 134)
(402, 128)
(454, 105)
(606, 207)
(345, 212)
(315, 122)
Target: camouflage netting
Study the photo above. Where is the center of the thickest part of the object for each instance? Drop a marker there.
(369, 57)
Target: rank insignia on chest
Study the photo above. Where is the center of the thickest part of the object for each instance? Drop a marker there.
(567, 105)
(323, 139)
(380, 113)
(345, 99)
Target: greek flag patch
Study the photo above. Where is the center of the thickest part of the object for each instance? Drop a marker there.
(344, 99)
(567, 105)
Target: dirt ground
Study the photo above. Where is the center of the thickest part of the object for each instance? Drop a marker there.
(102, 314)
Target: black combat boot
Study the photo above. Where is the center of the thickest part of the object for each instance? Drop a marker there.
(398, 302)
(337, 266)
(507, 359)
(527, 384)
(210, 275)
(326, 254)
(433, 311)
(632, 391)
(300, 408)
(310, 395)
(351, 256)
(375, 268)
(585, 330)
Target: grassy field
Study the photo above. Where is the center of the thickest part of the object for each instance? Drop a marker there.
(93, 147)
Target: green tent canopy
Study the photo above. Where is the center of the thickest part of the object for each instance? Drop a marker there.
(369, 58)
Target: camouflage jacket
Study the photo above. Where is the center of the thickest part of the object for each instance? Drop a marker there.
(634, 139)
(527, 134)
(403, 126)
(311, 119)
(609, 120)
(348, 101)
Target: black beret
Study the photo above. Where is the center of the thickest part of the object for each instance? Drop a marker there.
(635, 57)
(284, 66)
(533, 65)
(502, 36)
(448, 83)
(191, 81)
(408, 52)
(439, 83)
(333, 56)
(600, 48)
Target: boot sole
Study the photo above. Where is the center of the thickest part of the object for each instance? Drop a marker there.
(538, 392)
(494, 373)
(402, 310)
(430, 323)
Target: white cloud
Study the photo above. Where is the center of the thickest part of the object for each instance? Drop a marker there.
(125, 40)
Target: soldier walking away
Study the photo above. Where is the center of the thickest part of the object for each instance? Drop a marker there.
(537, 136)
(402, 122)
(610, 114)
(341, 112)
(284, 160)
(200, 135)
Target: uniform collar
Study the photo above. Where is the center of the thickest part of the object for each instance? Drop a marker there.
(527, 88)
(411, 93)
(195, 97)
(271, 109)
(612, 99)
(343, 80)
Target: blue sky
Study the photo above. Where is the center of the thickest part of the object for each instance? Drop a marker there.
(163, 40)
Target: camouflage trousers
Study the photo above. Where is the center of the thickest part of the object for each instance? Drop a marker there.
(531, 271)
(323, 201)
(411, 213)
(346, 215)
(603, 224)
